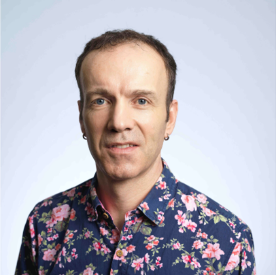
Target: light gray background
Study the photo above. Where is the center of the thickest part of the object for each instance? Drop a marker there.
(224, 141)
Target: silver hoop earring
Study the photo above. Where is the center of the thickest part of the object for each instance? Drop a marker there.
(84, 137)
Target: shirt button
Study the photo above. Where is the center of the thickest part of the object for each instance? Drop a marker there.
(105, 215)
(119, 253)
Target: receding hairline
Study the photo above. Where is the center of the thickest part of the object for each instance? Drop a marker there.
(112, 48)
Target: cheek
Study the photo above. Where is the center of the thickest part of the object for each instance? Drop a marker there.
(94, 124)
(153, 128)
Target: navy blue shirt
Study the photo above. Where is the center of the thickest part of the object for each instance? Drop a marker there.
(174, 230)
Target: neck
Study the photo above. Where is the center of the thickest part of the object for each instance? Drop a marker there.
(119, 197)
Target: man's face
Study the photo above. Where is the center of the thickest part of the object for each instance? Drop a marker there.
(124, 90)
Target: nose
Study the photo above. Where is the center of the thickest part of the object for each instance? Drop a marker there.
(121, 117)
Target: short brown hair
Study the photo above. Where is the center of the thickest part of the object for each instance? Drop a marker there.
(116, 37)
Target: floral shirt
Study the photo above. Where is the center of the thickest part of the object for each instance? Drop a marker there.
(175, 230)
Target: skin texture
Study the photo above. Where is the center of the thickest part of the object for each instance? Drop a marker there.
(116, 110)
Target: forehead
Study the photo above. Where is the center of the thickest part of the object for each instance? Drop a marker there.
(126, 66)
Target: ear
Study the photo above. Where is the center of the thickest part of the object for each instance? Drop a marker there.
(173, 110)
(80, 117)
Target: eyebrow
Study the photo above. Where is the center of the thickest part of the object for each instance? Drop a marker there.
(106, 93)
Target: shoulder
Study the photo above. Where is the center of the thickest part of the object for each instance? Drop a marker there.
(211, 214)
(62, 201)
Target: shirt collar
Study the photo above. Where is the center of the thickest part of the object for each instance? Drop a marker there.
(155, 203)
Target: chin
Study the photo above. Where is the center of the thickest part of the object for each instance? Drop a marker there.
(121, 171)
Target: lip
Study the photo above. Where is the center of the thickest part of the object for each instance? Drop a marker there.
(116, 150)
(120, 143)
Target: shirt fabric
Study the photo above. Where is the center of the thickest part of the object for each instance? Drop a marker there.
(174, 230)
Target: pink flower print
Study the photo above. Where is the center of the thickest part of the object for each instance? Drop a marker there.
(49, 255)
(232, 262)
(73, 253)
(186, 259)
(90, 210)
(70, 193)
(63, 251)
(212, 251)
(72, 214)
(207, 211)
(97, 246)
(87, 234)
(195, 263)
(144, 205)
(204, 235)
(130, 248)
(176, 245)
(105, 249)
(115, 236)
(83, 200)
(41, 272)
(231, 240)
(189, 202)
(103, 231)
(129, 237)
(201, 198)
(137, 264)
(171, 203)
(157, 262)
(58, 214)
(31, 226)
(162, 185)
(146, 258)
(149, 246)
(40, 239)
(45, 203)
(197, 244)
(180, 218)
(166, 197)
(191, 226)
(243, 264)
(151, 238)
(88, 271)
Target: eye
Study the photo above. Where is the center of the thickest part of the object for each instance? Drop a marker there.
(142, 101)
(99, 101)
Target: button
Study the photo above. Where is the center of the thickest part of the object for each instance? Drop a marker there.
(119, 253)
(105, 215)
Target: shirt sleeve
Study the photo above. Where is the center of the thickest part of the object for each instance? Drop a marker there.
(26, 264)
(242, 259)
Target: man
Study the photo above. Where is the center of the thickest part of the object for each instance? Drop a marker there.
(133, 216)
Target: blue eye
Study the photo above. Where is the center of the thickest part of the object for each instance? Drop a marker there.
(142, 101)
(100, 101)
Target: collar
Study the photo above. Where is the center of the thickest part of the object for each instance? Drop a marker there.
(153, 206)
(164, 190)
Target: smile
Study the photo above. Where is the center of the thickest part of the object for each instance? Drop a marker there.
(122, 149)
(123, 146)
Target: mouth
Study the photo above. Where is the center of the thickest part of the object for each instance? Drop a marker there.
(122, 148)
(121, 145)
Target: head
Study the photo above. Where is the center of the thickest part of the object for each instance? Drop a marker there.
(126, 83)
(113, 38)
